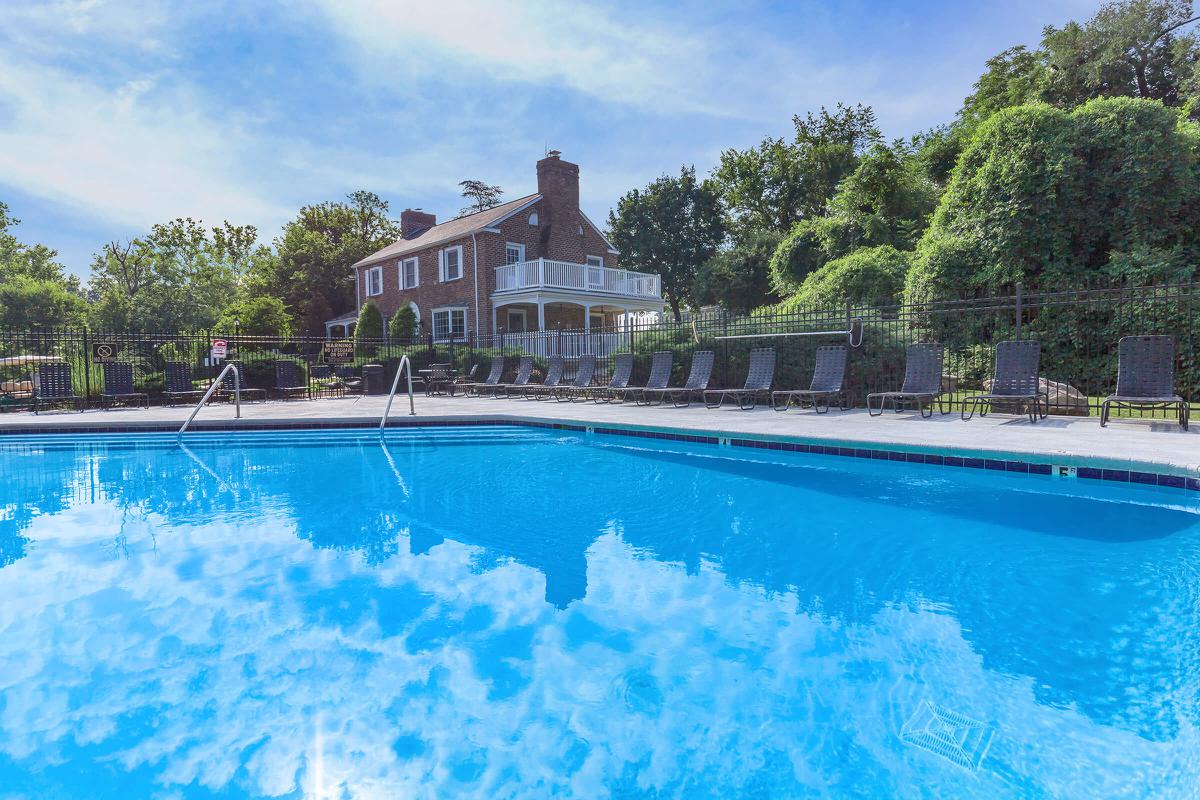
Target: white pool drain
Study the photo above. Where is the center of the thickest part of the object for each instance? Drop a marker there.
(948, 734)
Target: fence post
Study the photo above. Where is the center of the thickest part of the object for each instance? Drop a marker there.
(1019, 308)
(87, 367)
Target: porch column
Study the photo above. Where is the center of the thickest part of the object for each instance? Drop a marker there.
(495, 329)
(541, 315)
(587, 317)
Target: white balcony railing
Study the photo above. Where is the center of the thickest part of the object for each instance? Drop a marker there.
(543, 273)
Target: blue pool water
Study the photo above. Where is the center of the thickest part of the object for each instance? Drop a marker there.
(502, 612)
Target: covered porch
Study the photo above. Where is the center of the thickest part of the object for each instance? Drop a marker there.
(540, 314)
(341, 327)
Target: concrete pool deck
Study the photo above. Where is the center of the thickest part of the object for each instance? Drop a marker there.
(1127, 443)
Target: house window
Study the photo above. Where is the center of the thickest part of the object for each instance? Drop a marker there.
(514, 253)
(450, 263)
(516, 320)
(533, 218)
(409, 274)
(374, 281)
(449, 323)
(595, 272)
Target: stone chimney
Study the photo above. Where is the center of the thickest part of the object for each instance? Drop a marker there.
(558, 184)
(414, 220)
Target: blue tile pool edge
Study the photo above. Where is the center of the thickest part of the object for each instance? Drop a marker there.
(1087, 469)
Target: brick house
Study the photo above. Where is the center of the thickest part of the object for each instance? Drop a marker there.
(536, 263)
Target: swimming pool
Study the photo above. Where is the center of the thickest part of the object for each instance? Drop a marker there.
(511, 611)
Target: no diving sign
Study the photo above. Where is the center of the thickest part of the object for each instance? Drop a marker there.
(220, 348)
(104, 352)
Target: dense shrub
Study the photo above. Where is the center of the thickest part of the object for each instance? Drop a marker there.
(871, 276)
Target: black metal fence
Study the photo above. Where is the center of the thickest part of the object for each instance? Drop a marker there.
(1078, 331)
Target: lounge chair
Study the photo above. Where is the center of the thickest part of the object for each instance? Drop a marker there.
(288, 382)
(617, 382)
(459, 381)
(584, 373)
(179, 384)
(118, 385)
(524, 370)
(350, 378)
(660, 378)
(1145, 378)
(54, 387)
(227, 384)
(828, 381)
(759, 377)
(495, 373)
(554, 376)
(1015, 382)
(697, 381)
(922, 381)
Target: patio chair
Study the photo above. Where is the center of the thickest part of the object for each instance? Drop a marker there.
(617, 382)
(585, 371)
(288, 381)
(350, 378)
(179, 384)
(495, 373)
(524, 370)
(554, 376)
(759, 377)
(459, 381)
(828, 381)
(1145, 378)
(1014, 384)
(54, 387)
(439, 380)
(227, 384)
(118, 385)
(922, 381)
(697, 382)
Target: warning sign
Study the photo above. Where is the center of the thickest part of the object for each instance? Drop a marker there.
(220, 348)
(105, 352)
(339, 352)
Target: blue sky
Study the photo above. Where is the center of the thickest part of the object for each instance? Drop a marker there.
(117, 115)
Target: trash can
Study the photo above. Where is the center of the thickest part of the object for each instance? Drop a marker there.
(374, 381)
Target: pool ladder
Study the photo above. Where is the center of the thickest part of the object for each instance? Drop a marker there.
(405, 366)
(237, 395)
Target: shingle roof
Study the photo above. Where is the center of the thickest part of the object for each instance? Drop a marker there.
(450, 230)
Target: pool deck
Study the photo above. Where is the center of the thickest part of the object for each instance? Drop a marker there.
(1128, 444)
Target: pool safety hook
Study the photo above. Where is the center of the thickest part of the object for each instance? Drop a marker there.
(854, 334)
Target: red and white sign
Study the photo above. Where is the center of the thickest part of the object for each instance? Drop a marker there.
(219, 348)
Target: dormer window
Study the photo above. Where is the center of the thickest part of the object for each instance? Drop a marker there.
(533, 218)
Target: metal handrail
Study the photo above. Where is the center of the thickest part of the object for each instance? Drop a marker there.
(412, 410)
(237, 395)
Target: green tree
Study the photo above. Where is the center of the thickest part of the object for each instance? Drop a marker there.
(773, 186)
(317, 250)
(869, 276)
(35, 290)
(670, 227)
(402, 327)
(1057, 199)
(260, 315)
(481, 195)
(369, 329)
(738, 278)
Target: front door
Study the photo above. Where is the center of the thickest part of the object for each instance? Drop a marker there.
(516, 320)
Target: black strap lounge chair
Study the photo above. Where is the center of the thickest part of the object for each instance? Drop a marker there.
(54, 387)
(459, 381)
(759, 378)
(585, 372)
(922, 381)
(495, 373)
(227, 384)
(554, 376)
(524, 370)
(1015, 383)
(828, 381)
(697, 381)
(118, 386)
(288, 380)
(350, 377)
(659, 379)
(1145, 378)
(179, 384)
(617, 382)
